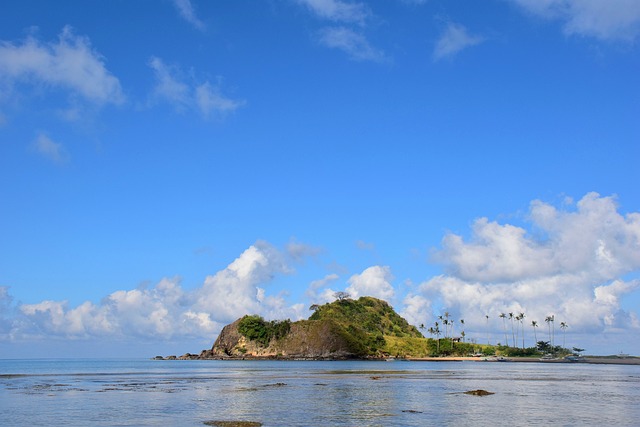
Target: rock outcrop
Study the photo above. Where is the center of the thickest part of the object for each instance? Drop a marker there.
(320, 339)
(340, 330)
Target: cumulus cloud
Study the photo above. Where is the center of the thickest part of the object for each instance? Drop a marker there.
(416, 309)
(69, 64)
(184, 95)
(49, 149)
(337, 10)
(188, 13)
(374, 281)
(604, 20)
(351, 42)
(454, 39)
(165, 310)
(573, 265)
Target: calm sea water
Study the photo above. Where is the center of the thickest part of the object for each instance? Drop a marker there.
(351, 393)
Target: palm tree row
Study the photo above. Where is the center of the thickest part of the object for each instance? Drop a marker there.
(517, 329)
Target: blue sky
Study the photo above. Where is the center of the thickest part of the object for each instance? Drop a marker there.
(168, 166)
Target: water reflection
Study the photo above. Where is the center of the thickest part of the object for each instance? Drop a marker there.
(322, 394)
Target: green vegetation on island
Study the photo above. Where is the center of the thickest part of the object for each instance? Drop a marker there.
(364, 328)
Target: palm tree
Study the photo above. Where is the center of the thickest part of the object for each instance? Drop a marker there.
(488, 332)
(522, 316)
(564, 326)
(534, 324)
(437, 332)
(446, 323)
(517, 318)
(548, 321)
(512, 334)
(462, 327)
(504, 328)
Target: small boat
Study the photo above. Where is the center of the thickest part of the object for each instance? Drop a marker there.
(496, 359)
(548, 358)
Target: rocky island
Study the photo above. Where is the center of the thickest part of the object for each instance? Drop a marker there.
(366, 328)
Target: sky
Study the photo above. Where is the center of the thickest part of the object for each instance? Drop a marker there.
(168, 166)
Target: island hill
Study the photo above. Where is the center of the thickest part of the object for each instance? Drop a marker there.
(367, 328)
(344, 329)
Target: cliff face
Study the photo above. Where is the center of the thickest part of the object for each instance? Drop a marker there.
(305, 339)
(342, 329)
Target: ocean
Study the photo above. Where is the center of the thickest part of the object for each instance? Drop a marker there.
(315, 393)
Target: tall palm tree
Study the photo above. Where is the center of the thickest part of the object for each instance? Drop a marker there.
(534, 324)
(504, 328)
(548, 321)
(437, 332)
(462, 327)
(564, 326)
(522, 316)
(512, 334)
(447, 323)
(488, 331)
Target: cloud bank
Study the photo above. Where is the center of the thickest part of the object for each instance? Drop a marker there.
(578, 262)
(572, 263)
(165, 310)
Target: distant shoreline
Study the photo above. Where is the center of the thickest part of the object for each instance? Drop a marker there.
(595, 360)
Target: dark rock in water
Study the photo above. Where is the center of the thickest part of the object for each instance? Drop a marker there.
(232, 423)
(411, 411)
(478, 392)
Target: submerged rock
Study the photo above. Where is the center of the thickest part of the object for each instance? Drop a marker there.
(478, 392)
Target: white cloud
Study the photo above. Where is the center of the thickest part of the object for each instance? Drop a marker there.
(354, 44)
(70, 64)
(605, 20)
(417, 309)
(49, 149)
(236, 290)
(204, 97)
(168, 86)
(574, 269)
(337, 10)
(454, 39)
(188, 13)
(165, 310)
(319, 292)
(210, 101)
(374, 281)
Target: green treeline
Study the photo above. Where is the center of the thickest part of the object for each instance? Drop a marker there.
(255, 328)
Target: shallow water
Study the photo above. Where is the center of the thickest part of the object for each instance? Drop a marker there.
(344, 393)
